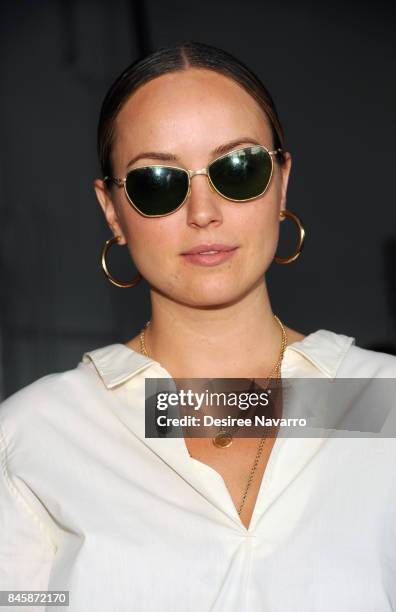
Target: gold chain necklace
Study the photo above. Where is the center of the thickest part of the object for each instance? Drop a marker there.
(223, 439)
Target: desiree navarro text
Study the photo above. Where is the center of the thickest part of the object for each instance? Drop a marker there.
(208, 421)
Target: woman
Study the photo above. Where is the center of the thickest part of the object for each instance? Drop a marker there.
(195, 177)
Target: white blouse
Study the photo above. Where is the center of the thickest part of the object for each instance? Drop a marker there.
(123, 522)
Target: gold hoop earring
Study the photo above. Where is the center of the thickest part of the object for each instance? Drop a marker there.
(117, 283)
(301, 230)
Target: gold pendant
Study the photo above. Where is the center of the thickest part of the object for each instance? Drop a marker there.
(222, 439)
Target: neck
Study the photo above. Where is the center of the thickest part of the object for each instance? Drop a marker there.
(240, 339)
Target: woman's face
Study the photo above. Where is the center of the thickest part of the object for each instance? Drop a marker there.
(188, 115)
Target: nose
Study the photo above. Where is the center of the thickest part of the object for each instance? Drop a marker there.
(203, 204)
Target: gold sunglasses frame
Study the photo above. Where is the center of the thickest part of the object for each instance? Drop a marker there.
(121, 182)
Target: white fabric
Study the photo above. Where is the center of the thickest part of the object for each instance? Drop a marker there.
(125, 523)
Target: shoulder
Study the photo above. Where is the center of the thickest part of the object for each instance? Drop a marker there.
(78, 398)
(57, 385)
(40, 407)
(338, 355)
(356, 361)
(366, 363)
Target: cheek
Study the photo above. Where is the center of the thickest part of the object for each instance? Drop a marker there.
(151, 242)
(259, 228)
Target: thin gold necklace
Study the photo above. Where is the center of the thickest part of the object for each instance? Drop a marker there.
(223, 439)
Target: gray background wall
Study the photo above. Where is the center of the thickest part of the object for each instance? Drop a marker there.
(330, 68)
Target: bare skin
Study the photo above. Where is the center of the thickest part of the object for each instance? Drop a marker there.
(215, 321)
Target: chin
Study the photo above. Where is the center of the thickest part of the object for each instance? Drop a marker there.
(211, 297)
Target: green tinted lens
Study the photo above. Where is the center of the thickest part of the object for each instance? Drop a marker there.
(242, 174)
(157, 190)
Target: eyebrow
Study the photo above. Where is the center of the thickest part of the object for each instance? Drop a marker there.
(220, 150)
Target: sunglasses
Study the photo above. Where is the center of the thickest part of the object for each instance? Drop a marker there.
(240, 176)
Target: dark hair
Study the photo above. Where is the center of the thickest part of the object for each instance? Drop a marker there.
(173, 59)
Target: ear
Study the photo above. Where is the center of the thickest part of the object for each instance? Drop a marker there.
(285, 173)
(105, 200)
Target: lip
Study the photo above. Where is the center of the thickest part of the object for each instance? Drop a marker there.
(209, 260)
(200, 248)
